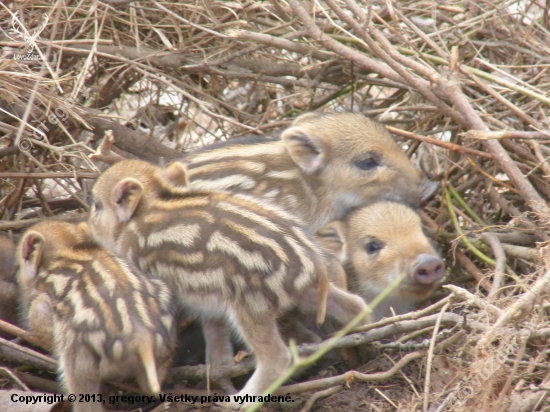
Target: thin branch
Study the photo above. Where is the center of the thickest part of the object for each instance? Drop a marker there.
(473, 270)
(49, 175)
(472, 299)
(500, 259)
(452, 90)
(318, 395)
(520, 308)
(280, 43)
(20, 333)
(11, 376)
(339, 48)
(367, 377)
(22, 355)
(396, 61)
(430, 358)
(447, 145)
(504, 134)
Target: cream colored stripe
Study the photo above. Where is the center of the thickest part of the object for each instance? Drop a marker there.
(104, 308)
(82, 314)
(108, 280)
(262, 149)
(239, 180)
(59, 283)
(184, 235)
(290, 174)
(122, 310)
(249, 215)
(141, 308)
(306, 276)
(257, 238)
(245, 165)
(250, 260)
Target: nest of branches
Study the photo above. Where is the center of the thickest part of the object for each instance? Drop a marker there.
(462, 85)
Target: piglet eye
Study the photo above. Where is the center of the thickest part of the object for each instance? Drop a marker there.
(373, 247)
(97, 206)
(367, 164)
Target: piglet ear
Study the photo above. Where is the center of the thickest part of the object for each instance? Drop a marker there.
(126, 196)
(31, 249)
(306, 149)
(333, 237)
(176, 174)
(84, 230)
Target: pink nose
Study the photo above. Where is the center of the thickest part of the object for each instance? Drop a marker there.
(428, 269)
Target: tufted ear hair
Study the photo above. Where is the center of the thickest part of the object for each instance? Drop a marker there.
(31, 249)
(84, 230)
(306, 149)
(126, 196)
(176, 174)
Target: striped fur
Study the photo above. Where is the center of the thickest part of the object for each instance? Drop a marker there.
(104, 318)
(317, 171)
(229, 258)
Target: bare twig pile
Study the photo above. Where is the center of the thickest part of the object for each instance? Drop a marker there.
(462, 85)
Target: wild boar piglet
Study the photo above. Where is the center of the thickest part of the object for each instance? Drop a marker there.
(230, 259)
(103, 319)
(8, 282)
(379, 243)
(324, 165)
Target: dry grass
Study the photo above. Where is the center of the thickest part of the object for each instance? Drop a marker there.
(171, 76)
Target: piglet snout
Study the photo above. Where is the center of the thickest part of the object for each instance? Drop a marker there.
(428, 269)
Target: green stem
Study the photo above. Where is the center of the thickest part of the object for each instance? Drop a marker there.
(480, 73)
(465, 206)
(439, 61)
(302, 362)
(463, 237)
